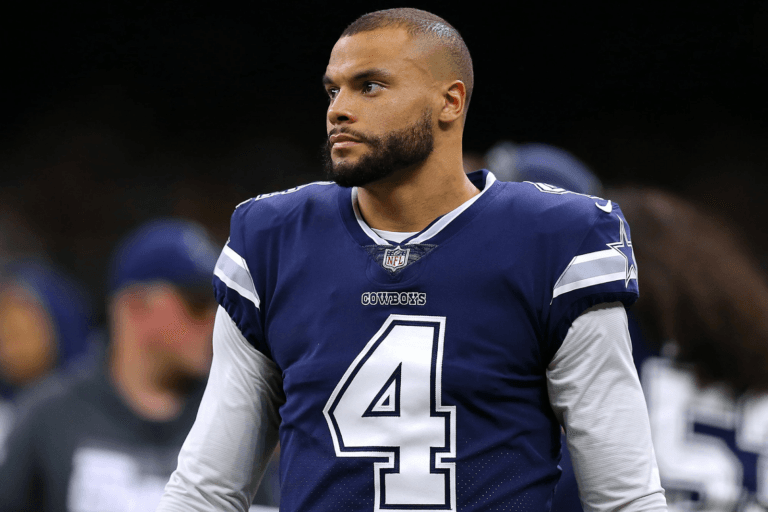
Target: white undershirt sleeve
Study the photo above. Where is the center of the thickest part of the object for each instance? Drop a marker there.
(227, 450)
(595, 393)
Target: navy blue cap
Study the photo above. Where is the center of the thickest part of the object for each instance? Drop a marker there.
(542, 163)
(64, 299)
(176, 251)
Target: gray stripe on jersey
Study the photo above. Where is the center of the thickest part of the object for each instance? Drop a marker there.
(235, 275)
(590, 269)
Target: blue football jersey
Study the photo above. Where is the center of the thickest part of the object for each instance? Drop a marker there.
(414, 372)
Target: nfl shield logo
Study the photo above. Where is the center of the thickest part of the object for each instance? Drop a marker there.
(396, 258)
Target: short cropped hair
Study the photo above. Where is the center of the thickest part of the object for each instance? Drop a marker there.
(418, 23)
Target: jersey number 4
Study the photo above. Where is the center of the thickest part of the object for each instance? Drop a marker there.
(388, 406)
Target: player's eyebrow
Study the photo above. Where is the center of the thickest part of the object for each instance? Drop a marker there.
(367, 74)
(327, 80)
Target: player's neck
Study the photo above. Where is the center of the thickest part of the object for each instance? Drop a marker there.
(136, 378)
(411, 200)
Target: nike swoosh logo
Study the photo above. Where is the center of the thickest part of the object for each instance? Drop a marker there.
(607, 207)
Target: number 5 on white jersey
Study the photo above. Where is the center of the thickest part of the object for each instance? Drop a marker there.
(389, 405)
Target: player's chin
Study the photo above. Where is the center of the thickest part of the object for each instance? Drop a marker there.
(346, 151)
(344, 173)
(346, 158)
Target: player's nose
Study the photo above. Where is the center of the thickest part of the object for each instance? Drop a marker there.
(340, 110)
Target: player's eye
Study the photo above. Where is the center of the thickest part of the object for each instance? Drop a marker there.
(332, 92)
(371, 87)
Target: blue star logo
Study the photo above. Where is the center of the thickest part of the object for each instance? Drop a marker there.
(624, 248)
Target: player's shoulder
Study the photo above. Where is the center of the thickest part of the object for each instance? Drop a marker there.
(541, 198)
(290, 199)
(554, 206)
(277, 207)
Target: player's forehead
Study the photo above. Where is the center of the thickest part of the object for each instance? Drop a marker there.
(390, 49)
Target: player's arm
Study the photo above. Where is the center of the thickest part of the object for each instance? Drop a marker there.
(595, 393)
(227, 450)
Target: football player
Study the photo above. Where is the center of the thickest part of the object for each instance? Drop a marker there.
(415, 336)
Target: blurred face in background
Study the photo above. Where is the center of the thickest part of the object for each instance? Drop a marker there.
(28, 348)
(182, 330)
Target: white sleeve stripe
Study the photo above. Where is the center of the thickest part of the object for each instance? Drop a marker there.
(584, 283)
(233, 271)
(246, 294)
(591, 269)
(597, 255)
(236, 258)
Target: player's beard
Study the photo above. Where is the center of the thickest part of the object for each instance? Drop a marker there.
(394, 151)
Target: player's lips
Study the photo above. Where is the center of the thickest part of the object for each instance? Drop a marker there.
(342, 140)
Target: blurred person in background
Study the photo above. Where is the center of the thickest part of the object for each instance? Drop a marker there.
(46, 332)
(538, 162)
(700, 340)
(701, 348)
(108, 441)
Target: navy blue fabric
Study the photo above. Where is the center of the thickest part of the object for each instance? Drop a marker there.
(490, 276)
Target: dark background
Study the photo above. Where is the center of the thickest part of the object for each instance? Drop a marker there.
(115, 112)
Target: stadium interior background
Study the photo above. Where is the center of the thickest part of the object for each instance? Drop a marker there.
(117, 112)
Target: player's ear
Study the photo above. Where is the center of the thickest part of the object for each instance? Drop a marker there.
(454, 101)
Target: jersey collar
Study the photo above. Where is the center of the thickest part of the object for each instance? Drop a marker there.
(438, 230)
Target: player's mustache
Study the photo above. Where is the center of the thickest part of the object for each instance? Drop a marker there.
(346, 131)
